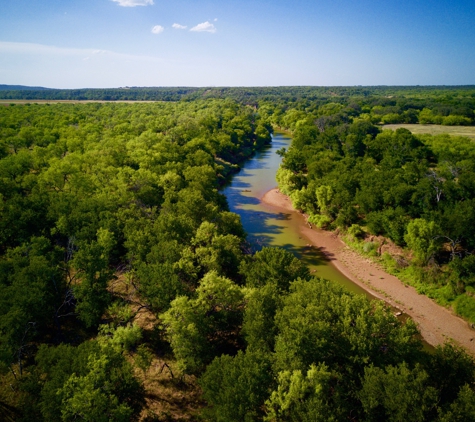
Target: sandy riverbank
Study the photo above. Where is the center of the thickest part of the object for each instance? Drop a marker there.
(436, 324)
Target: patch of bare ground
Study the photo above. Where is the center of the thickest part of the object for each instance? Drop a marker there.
(436, 323)
(169, 394)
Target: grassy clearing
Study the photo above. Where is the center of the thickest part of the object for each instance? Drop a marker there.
(468, 131)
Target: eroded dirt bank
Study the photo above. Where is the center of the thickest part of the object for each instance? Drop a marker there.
(436, 323)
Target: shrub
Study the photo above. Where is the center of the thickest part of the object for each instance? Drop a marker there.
(355, 231)
(370, 248)
(465, 307)
(453, 120)
(321, 221)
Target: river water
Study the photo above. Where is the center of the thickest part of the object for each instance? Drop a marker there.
(265, 225)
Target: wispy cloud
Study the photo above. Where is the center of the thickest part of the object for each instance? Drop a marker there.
(134, 3)
(204, 27)
(178, 26)
(31, 49)
(158, 29)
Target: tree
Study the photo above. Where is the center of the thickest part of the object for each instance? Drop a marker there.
(426, 116)
(30, 289)
(93, 382)
(321, 322)
(235, 388)
(205, 326)
(397, 393)
(143, 358)
(92, 263)
(157, 277)
(85, 396)
(259, 327)
(311, 397)
(462, 409)
(274, 266)
(450, 368)
(421, 238)
(324, 196)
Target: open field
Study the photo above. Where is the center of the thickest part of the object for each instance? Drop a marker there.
(468, 131)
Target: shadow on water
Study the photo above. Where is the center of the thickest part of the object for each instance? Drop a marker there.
(243, 200)
(239, 185)
(262, 227)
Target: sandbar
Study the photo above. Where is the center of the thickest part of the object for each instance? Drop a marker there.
(437, 324)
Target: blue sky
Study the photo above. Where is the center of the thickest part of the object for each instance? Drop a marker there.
(112, 43)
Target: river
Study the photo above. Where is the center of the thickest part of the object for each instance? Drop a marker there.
(265, 225)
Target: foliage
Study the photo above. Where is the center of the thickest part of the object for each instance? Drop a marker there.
(421, 237)
(143, 358)
(93, 382)
(274, 266)
(99, 195)
(418, 191)
(397, 393)
(204, 326)
(310, 397)
(259, 327)
(321, 322)
(337, 356)
(95, 193)
(465, 307)
(235, 387)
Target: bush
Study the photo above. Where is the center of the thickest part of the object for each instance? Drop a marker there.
(375, 223)
(392, 118)
(389, 263)
(390, 222)
(465, 307)
(346, 217)
(445, 294)
(370, 248)
(321, 221)
(456, 121)
(355, 231)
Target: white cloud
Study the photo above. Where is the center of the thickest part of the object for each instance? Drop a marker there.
(178, 26)
(133, 3)
(158, 29)
(204, 27)
(31, 49)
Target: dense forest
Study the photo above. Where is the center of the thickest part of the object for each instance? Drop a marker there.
(109, 209)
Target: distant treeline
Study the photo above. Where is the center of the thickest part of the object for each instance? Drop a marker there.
(447, 105)
(240, 93)
(22, 88)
